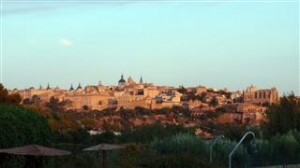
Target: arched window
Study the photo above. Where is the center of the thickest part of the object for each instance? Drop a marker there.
(260, 95)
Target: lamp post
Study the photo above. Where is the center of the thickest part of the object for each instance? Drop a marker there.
(243, 138)
(211, 146)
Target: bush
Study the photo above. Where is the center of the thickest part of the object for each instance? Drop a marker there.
(181, 150)
(18, 127)
(147, 133)
(283, 117)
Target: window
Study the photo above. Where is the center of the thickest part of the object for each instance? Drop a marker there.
(260, 95)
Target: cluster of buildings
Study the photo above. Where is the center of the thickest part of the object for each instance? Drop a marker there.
(126, 94)
(129, 94)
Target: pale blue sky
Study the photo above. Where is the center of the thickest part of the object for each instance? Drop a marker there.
(217, 44)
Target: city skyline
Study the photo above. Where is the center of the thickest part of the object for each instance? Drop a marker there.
(217, 44)
(80, 85)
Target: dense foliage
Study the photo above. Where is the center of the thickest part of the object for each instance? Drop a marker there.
(147, 133)
(284, 116)
(19, 126)
(6, 98)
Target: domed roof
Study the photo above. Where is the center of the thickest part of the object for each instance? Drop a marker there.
(251, 88)
(122, 80)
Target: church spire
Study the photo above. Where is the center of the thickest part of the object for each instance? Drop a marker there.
(141, 80)
(48, 87)
(79, 86)
(71, 88)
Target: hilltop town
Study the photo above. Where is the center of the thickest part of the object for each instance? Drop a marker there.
(239, 106)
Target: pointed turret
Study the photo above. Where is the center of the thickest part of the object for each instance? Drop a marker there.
(141, 80)
(79, 86)
(71, 88)
(48, 87)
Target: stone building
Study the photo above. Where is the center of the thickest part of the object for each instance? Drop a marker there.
(126, 94)
(200, 90)
(260, 96)
(130, 94)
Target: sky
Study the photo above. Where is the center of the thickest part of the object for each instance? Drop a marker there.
(218, 44)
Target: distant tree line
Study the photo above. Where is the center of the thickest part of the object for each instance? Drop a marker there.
(8, 99)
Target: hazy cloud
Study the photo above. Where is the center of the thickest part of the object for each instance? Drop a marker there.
(65, 42)
(21, 10)
(19, 7)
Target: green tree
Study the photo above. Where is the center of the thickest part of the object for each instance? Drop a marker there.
(147, 133)
(6, 98)
(55, 105)
(20, 126)
(284, 116)
(181, 150)
(284, 148)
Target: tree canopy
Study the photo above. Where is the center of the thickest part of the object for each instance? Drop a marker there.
(6, 98)
(20, 126)
(284, 116)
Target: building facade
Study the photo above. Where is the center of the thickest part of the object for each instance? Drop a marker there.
(260, 96)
